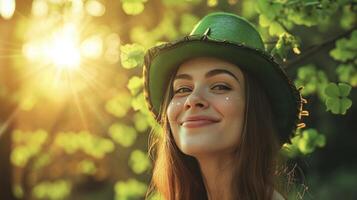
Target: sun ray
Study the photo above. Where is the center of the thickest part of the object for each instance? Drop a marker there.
(96, 89)
(91, 81)
(10, 52)
(6, 44)
(94, 110)
(55, 67)
(23, 17)
(77, 102)
(11, 56)
(4, 126)
(31, 74)
(57, 78)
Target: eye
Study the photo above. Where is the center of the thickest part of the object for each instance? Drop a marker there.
(221, 87)
(182, 90)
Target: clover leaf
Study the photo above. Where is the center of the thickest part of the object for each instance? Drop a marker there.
(336, 98)
(132, 55)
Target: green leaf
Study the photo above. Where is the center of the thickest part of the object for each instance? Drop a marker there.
(132, 55)
(348, 18)
(128, 190)
(59, 189)
(347, 73)
(265, 7)
(345, 48)
(18, 191)
(332, 104)
(264, 21)
(284, 44)
(320, 141)
(332, 90)
(310, 140)
(72, 142)
(139, 161)
(119, 105)
(312, 80)
(28, 144)
(276, 29)
(290, 150)
(212, 3)
(304, 143)
(344, 89)
(342, 54)
(20, 156)
(139, 103)
(135, 84)
(141, 121)
(96, 146)
(248, 9)
(345, 105)
(42, 160)
(338, 105)
(133, 7)
(87, 167)
(337, 100)
(123, 134)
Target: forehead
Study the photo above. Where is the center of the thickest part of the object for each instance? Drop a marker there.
(201, 65)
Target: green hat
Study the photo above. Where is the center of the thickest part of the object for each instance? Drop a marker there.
(232, 38)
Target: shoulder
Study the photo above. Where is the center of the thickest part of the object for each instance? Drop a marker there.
(277, 196)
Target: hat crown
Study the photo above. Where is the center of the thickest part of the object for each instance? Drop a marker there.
(229, 27)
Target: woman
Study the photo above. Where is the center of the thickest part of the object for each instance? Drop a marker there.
(225, 107)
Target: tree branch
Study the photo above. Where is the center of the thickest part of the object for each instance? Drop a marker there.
(315, 48)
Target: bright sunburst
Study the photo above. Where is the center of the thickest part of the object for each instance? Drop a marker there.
(63, 49)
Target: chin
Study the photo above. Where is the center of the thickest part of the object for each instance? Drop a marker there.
(204, 150)
(191, 150)
(197, 150)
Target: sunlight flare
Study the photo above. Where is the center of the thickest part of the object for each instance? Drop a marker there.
(7, 8)
(64, 51)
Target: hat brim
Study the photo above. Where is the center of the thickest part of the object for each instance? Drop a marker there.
(162, 61)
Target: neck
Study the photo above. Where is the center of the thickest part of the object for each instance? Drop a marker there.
(217, 175)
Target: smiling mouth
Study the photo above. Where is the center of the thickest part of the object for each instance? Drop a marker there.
(197, 123)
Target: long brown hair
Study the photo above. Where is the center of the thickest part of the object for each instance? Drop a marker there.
(177, 176)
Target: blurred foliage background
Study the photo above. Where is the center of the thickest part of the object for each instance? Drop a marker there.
(73, 122)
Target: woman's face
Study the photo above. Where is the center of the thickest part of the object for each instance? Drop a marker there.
(206, 113)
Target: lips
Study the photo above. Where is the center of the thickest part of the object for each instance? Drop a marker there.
(198, 121)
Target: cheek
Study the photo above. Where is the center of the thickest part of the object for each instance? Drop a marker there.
(173, 110)
(232, 108)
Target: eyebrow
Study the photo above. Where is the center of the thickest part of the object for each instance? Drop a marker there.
(209, 74)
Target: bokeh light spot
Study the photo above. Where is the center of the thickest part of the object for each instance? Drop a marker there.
(92, 47)
(95, 8)
(7, 8)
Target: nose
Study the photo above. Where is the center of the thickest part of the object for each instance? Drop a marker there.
(195, 100)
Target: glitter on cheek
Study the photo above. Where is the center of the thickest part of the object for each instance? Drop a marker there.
(229, 99)
(173, 103)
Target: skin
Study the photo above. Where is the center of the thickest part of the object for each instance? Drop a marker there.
(220, 96)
